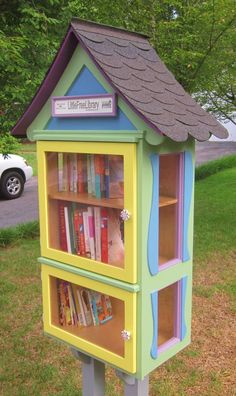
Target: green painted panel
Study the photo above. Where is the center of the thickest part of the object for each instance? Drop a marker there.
(148, 283)
(90, 275)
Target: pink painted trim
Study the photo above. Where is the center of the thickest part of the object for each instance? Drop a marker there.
(112, 114)
(169, 263)
(168, 344)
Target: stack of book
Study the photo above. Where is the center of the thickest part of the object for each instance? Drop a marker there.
(91, 232)
(82, 307)
(100, 175)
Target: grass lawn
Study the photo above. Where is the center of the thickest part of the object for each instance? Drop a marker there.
(33, 364)
(28, 151)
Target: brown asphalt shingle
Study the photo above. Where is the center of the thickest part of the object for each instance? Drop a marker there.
(135, 70)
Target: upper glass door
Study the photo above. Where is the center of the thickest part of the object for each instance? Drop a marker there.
(89, 199)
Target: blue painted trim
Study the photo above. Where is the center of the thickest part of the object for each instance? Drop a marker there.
(183, 327)
(154, 300)
(153, 230)
(188, 191)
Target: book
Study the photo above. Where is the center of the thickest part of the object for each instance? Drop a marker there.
(76, 230)
(61, 303)
(65, 293)
(73, 237)
(80, 321)
(60, 171)
(81, 234)
(103, 307)
(115, 243)
(65, 172)
(107, 177)
(74, 172)
(92, 166)
(67, 227)
(86, 234)
(62, 226)
(116, 176)
(89, 175)
(97, 226)
(104, 235)
(74, 318)
(80, 177)
(86, 306)
(91, 232)
(78, 290)
(97, 176)
(93, 308)
(102, 175)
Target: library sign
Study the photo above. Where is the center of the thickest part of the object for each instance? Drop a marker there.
(84, 106)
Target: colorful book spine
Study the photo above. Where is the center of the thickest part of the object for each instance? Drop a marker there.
(78, 291)
(68, 314)
(104, 235)
(91, 232)
(102, 175)
(86, 307)
(76, 230)
(107, 177)
(81, 234)
(62, 227)
(68, 239)
(86, 234)
(70, 172)
(75, 173)
(92, 165)
(73, 313)
(80, 173)
(89, 175)
(60, 171)
(97, 226)
(65, 172)
(80, 322)
(97, 176)
(73, 243)
(61, 303)
(93, 311)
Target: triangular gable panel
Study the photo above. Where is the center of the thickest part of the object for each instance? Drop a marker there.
(87, 84)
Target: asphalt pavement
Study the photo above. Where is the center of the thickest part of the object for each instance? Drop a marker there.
(25, 208)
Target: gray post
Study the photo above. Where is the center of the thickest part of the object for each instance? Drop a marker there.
(133, 386)
(93, 373)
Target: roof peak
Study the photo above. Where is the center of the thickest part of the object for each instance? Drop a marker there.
(83, 23)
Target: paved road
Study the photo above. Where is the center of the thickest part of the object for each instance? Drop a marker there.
(25, 208)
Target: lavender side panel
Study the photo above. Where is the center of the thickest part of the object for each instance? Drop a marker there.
(154, 301)
(153, 229)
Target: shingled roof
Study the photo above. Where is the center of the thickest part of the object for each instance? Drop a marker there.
(137, 74)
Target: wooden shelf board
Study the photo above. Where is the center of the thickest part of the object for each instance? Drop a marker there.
(107, 335)
(166, 201)
(87, 199)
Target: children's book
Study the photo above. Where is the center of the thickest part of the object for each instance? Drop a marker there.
(62, 226)
(80, 322)
(103, 305)
(81, 233)
(79, 297)
(97, 224)
(86, 306)
(116, 176)
(89, 175)
(92, 165)
(104, 235)
(91, 232)
(68, 239)
(86, 234)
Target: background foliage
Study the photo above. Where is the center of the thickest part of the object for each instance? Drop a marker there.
(195, 38)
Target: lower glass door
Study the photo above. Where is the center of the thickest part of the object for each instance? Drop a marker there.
(95, 318)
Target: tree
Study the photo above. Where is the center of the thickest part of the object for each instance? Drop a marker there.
(195, 39)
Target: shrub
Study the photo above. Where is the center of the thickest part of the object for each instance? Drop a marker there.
(212, 167)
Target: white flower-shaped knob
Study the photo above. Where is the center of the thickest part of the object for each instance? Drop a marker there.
(125, 215)
(125, 334)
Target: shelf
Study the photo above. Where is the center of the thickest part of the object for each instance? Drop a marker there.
(166, 201)
(87, 199)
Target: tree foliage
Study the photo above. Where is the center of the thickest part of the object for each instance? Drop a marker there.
(195, 38)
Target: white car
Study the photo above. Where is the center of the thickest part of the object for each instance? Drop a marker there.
(14, 172)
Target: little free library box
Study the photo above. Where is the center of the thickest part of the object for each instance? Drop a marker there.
(115, 137)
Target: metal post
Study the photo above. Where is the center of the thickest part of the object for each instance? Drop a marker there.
(133, 386)
(93, 373)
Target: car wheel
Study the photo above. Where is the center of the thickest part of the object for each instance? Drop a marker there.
(11, 185)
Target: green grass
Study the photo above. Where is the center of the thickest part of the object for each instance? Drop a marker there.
(215, 219)
(212, 167)
(32, 364)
